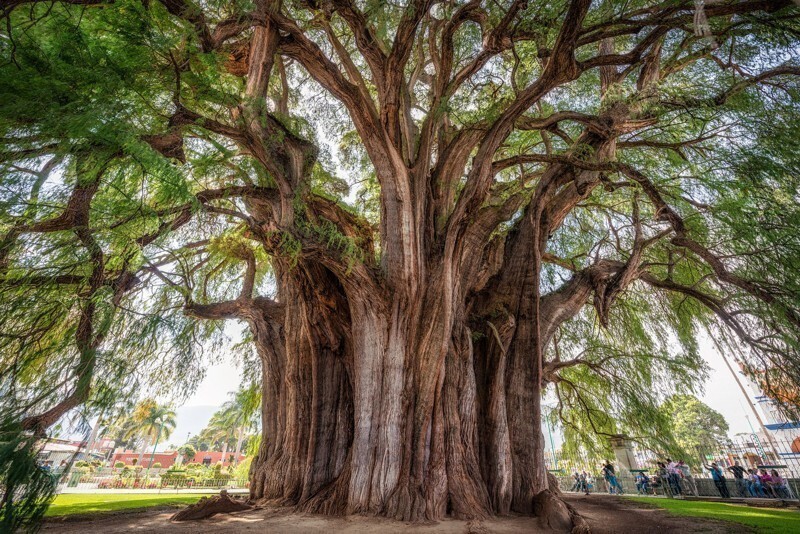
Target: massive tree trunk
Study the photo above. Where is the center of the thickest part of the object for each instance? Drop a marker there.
(373, 404)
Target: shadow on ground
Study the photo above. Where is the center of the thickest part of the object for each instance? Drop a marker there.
(606, 515)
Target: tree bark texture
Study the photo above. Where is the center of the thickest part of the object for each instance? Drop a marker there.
(374, 404)
(409, 385)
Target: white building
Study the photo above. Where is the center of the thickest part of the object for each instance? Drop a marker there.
(782, 435)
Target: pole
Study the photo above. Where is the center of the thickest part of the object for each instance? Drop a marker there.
(552, 447)
(747, 396)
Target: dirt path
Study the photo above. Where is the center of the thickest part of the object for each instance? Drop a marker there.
(605, 514)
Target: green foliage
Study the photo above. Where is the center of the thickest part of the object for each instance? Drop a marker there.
(628, 368)
(89, 95)
(231, 425)
(187, 452)
(32, 488)
(242, 469)
(698, 429)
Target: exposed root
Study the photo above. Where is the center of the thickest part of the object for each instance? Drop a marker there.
(579, 523)
(555, 514)
(476, 526)
(210, 506)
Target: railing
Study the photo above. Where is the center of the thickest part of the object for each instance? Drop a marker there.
(86, 482)
(698, 487)
(777, 454)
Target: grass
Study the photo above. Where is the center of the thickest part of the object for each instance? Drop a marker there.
(766, 520)
(93, 503)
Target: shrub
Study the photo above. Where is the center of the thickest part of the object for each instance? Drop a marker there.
(81, 463)
(172, 476)
(187, 452)
(156, 465)
(119, 465)
(242, 470)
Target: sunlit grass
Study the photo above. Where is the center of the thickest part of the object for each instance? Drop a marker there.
(767, 520)
(91, 503)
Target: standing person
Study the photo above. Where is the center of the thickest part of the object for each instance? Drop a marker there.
(738, 475)
(584, 480)
(663, 477)
(576, 481)
(673, 474)
(719, 479)
(687, 478)
(611, 479)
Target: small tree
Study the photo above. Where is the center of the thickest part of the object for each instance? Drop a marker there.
(697, 428)
(187, 452)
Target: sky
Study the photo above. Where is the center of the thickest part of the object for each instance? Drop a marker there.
(720, 392)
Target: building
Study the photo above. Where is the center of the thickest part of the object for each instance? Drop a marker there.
(778, 433)
(169, 458)
(55, 450)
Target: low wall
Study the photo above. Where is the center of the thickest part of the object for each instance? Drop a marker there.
(705, 487)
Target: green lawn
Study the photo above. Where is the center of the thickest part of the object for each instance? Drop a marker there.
(767, 520)
(91, 503)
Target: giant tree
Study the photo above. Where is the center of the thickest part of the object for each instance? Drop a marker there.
(545, 194)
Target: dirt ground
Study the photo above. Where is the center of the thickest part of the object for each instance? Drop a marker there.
(605, 514)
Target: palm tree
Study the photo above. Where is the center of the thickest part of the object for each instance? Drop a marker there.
(219, 431)
(151, 421)
(234, 418)
(239, 413)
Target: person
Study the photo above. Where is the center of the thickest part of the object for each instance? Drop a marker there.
(766, 483)
(719, 479)
(686, 478)
(576, 482)
(738, 476)
(754, 484)
(673, 475)
(642, 483)
(611, 479)
(584, 482)
(663, 476)
(779, 485)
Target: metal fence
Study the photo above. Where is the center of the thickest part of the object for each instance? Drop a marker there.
(103, 479)
(752, 453)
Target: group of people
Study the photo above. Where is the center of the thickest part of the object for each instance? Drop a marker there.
(676, 477)
(583, 482)
(754, 482)
(47, 467)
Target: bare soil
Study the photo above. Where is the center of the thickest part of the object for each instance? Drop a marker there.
(605, 514)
